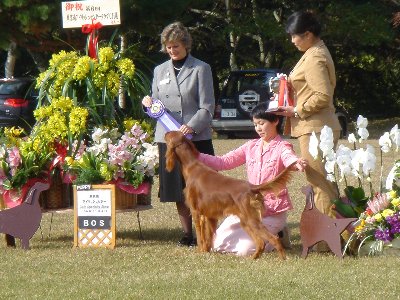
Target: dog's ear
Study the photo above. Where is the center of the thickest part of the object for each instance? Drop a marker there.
(192, 147)
(170, 157)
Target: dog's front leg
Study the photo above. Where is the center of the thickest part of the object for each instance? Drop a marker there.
(210, 226)
(198, 224)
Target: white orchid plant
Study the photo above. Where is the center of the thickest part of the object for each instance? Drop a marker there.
(358, 161)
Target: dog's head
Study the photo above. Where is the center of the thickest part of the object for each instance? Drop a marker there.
(175, 139)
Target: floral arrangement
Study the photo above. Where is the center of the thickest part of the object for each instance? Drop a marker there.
(22, 160)
(353, 161)
(378, 227)
(111, 156)
(353, 166)
(95, 83)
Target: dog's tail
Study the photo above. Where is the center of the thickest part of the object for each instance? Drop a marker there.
(276, 185)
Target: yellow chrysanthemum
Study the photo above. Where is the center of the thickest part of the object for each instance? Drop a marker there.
(378, 217)
(360, 227)
(392, 194)
(77, 120)
(69, 160)
(387, 212)
(126, 67)
(82, 68)
(106, 54)
(105, 172)
(395, 202)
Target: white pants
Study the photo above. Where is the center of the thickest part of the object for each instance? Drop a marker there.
(231, 238)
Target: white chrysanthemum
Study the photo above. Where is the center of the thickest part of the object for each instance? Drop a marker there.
(395, 136)
(330, 166)
(313, 145)
(362, 122)
(97, 134)
(326, 140)
(369, 160)
(2, 152)
(363, 133)
(330, 177)
(343, 160)
(392, 177)
(385, 142)
(352, 138)
(356, 161)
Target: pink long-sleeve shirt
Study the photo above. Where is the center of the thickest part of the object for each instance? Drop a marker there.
(261, 166)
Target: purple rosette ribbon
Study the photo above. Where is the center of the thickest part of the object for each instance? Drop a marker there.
(157, 111)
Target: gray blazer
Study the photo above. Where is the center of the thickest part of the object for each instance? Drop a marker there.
(189, 97)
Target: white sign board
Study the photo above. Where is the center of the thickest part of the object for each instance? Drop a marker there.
(78, 13)
(94, 214)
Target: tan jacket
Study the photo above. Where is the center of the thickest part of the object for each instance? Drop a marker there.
(313, 81)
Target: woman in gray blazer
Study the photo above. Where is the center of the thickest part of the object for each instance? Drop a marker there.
(185, 86)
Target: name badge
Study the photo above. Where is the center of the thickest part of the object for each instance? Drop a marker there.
(164, 81)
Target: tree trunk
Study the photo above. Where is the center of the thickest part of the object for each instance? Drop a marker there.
(40, 60)
(10, 61)
(233, 38)
(121, 92)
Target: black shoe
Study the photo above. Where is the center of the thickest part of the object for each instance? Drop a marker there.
(193, 243)
(186, 241)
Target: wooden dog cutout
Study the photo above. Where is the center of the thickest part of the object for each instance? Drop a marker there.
(211, 195)
(316, 226)
(23, 220)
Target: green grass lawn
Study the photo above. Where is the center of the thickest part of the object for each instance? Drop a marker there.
(155, 268)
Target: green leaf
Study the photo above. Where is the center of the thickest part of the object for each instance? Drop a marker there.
(346, 210)
(356, 195)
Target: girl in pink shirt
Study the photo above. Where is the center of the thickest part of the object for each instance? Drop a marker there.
(265, 158)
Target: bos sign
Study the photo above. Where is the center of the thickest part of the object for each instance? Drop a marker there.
(94, 207)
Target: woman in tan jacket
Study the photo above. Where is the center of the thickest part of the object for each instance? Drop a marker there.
(312, 82)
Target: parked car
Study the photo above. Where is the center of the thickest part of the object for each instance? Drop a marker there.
(243, 90)
(18, 100)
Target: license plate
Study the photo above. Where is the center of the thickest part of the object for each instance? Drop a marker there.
(228, 113)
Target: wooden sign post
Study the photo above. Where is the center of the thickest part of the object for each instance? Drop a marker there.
(94, 216)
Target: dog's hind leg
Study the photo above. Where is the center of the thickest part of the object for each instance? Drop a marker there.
(263, 232)
(258, 241)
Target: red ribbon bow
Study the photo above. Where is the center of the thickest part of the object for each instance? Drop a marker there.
(92, 30)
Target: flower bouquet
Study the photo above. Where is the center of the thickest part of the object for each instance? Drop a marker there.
(23, 161)
(377, 230)
(128, 158)
(353, 166)
(95, 83)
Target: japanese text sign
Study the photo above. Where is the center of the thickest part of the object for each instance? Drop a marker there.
(78, 13)
(94, 207)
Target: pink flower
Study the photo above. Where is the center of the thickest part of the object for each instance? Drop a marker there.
(14, 158)
(378, 203)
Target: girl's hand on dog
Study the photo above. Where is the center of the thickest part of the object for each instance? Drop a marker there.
(300, 165)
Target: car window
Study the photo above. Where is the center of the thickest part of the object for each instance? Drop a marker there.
(239, 82)
(14, 88)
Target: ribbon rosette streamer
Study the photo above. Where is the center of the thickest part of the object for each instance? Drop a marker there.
(92, 31)
(157, 111)
(279, 86)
